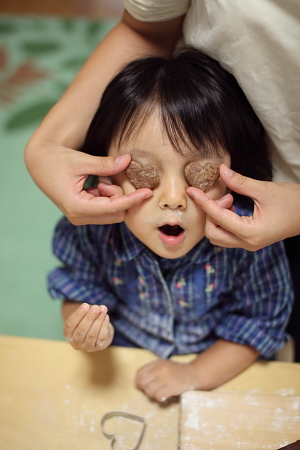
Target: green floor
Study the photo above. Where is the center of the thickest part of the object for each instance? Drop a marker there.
(38, 59)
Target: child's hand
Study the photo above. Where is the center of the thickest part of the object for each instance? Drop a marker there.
(88, 328)
(164, 378)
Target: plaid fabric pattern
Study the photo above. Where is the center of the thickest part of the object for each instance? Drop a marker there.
(175, 306)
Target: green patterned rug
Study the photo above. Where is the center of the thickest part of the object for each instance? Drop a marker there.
(39, 57)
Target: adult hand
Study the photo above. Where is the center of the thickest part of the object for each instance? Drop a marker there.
(88, 328)
(276, 214)
(67, 173)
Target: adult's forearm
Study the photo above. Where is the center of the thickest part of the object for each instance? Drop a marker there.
(67, 122)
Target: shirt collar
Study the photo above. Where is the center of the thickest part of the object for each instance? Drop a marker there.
(198, 254)
(125, 245)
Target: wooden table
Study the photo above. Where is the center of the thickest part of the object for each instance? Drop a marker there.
(52, 396)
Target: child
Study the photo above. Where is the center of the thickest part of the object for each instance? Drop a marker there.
(165, 286)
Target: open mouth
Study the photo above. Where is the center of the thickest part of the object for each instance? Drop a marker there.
(171, 230)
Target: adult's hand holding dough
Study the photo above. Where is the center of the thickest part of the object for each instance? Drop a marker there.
(275, 216)
(102, 205)
(56, 168)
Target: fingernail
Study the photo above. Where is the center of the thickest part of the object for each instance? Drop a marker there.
(228, 172)
(84, 307)
(190, 193)
(148, 194)
(120, 159)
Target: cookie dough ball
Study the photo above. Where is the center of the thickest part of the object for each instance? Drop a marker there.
(142, 176)
(201, 177)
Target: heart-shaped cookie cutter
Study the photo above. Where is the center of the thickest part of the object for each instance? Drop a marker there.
(126, 415)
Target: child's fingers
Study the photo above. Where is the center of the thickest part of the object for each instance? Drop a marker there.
(163, 380)
(103, 336)
(91, 338)
(153, 385)
(98, 332)
(145, 376)
(162, 394)
(146, 369)
(81, 331)
(74, 320)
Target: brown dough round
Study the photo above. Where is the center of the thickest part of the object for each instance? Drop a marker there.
(142, 176)
(201, 177)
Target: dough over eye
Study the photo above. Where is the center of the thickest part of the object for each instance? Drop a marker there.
(201, 177)
(142, 176)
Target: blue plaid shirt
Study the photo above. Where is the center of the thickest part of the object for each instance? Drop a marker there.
(175, 306)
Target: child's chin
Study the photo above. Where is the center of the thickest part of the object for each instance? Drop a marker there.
(171, 253)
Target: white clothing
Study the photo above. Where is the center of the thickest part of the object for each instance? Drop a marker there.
(258, 41)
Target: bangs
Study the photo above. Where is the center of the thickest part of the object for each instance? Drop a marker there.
(173, 127)
(184, 121)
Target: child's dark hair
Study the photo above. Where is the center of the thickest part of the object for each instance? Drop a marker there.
(201, 106)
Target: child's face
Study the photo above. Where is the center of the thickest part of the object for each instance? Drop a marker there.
(169, 222)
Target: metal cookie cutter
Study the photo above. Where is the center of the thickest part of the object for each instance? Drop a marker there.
(126, 415)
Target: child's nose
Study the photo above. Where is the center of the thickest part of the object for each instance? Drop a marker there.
(173, 195)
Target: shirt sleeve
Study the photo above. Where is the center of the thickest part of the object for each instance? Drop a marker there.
(80, 277)
(156, 10)
(258, 310)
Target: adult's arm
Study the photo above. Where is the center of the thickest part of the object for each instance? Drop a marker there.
(276, 213)
(56, 168)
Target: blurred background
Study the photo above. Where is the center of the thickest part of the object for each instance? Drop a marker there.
(42, 46)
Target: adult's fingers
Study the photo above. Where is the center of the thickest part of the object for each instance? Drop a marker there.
(226, 202)
(241, 184)
(110, 190)
(105, 190)
(218, 235)
(224, 227)
(220, 216)
(224, 238)
(88, 209)
(85, 164)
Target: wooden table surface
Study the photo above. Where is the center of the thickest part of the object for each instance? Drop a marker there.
(52, 396)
